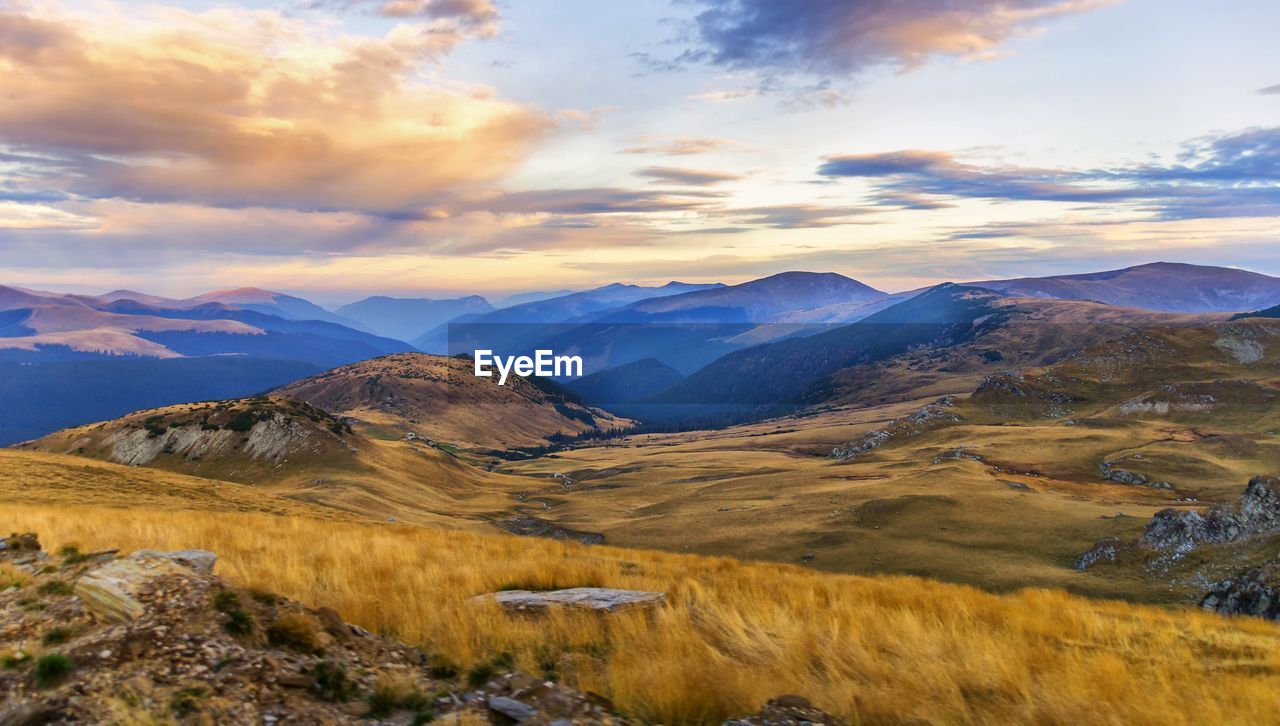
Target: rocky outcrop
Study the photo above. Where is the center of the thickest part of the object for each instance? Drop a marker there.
(1172, 533)
(113, 591)
(1254, 592)
(1256, 513)
(787, 710)
(928, 417)
(1013, 394)
(156, 637)
(1106, 550)
(600, 599)
(529, 526)
(1111, 472)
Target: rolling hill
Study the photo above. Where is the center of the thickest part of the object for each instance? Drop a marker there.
(1162, 286)
(286, 449)
(410, 318)
(440, 398)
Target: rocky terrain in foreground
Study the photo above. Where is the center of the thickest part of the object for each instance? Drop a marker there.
(1193, 545)
(157, 637)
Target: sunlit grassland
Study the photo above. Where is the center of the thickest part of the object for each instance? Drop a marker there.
(733, 634)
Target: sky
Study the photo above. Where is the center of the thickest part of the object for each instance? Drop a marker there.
(340, 148)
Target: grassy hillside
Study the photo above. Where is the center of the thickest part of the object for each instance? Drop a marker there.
(291, 451)
(55, 479)
(874, 650)
(442, 399)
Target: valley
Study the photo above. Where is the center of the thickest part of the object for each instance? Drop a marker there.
(1007, 459)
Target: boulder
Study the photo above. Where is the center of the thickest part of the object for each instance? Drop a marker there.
(111, 590)
(602, 599)
(1254, 514)
(1107, 549)
(512, 709)
(199, 560)
(1254, 592)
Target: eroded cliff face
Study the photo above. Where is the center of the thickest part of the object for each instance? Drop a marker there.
(274, 438)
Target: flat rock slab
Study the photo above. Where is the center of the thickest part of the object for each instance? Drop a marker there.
(111, 590)
(602, 599)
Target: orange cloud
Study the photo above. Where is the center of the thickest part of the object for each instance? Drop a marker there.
(240, 108)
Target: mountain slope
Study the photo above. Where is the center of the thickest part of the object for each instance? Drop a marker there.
(787, 373)
(441, 398)
(567, 307)
(627, 383)
(1164, 286)
(284, 306)
(409, 318)
(685, 331)
(756, 301)
(50, 327)
(291, 452)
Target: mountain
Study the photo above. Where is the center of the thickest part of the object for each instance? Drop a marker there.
(627, 383)
(524, 328)
(776, 377)
(70, 359)
(1271, 312)
(757, 301)
(289, 451)
(567, 307)
(685, 331)
(942, 316)
(64, 327)
(244, 440)
(1163, 286)
(440, 398)
(270, 303)
(409, 318)
(528, 297)
(37, 398)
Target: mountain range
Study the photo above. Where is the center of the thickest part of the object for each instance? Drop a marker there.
(702, 340)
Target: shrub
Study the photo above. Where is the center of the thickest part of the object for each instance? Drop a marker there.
(186, 701)
(55, 587)
(243, 422)
(480, 674)
(237, 621)
(396, 693)
(51, 669)
(441, 667)
(331, 683)
(295, 630)
(225, 601)
(55, 636)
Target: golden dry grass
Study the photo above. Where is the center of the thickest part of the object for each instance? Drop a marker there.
(874, 650)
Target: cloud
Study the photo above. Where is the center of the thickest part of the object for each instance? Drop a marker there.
(800, 216)
(245, 108)
(843, 37)
(1230, 175)
(687, 177)
(1270, 89)
(683, 146)
(479, 16)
